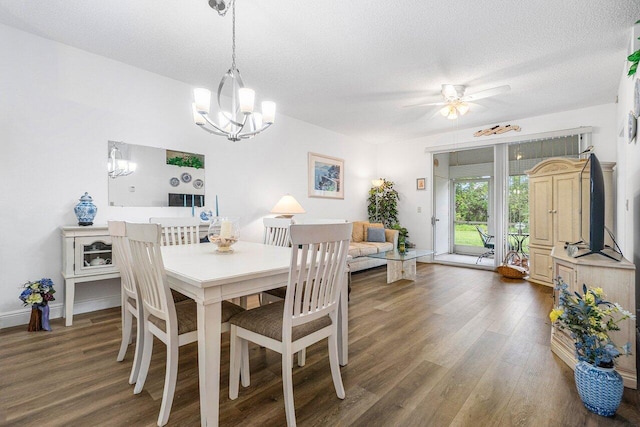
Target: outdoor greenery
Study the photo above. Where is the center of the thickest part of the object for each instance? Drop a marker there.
(186, 160)
(467, 235)
(472, 199)
(518, 200)
(383, 204)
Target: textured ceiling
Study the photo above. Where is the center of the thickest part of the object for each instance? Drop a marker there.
(350, 66)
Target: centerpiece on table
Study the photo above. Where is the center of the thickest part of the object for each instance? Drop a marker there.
(589, 319)
(37, 295)
(224, 232)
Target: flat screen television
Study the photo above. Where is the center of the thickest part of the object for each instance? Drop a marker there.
(596, 208)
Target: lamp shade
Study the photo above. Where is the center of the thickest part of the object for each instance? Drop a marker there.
(287, 206)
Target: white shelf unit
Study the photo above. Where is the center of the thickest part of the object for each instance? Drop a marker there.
(81, 245)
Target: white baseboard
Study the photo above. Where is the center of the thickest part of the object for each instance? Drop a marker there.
(21, 317)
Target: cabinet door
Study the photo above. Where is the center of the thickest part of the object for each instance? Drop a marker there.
(93, 255)
(541, 205)
(541, 264)
(566, 209)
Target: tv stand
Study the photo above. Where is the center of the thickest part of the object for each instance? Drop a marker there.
(617, 280)
(599, 253)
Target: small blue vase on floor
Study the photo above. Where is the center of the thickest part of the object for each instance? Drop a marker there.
(45, 317)
(600, 388)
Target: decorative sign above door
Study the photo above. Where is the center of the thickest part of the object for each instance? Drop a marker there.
(496, 130)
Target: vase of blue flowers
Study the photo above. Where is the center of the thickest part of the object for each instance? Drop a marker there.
(589, 319)
(38, 294)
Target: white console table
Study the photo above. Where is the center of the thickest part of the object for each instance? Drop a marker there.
(80, 246)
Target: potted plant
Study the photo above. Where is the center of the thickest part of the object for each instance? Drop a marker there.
(402, 236)
(383, 203)
(38, 294)
(589, 319)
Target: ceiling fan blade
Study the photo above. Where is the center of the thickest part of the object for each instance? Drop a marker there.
(425, 104)
(486, 93)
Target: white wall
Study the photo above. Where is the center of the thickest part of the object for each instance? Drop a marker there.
(59, 107)
(628, 201)
(406, 161)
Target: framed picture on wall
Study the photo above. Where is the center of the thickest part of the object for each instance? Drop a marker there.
(421, 184)
(326, 176)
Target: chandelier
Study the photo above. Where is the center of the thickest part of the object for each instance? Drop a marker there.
(453, 109)
(117, 166)
(238, 121)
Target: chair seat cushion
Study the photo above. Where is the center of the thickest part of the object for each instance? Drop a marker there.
(267, 320)
(187, 314)
(178, 297)
(278, 292)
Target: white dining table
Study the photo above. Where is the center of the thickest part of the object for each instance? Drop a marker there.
(210, 277)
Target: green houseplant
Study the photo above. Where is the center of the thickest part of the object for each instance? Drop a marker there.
(589, 319)
(383, 204)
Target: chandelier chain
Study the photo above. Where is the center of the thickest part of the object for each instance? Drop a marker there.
(233, 35)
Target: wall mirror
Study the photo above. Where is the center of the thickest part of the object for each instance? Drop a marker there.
(161, 178)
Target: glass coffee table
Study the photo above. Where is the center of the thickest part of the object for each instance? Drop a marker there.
(401, 265)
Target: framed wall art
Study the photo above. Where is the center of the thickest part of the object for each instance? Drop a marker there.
(421, 184)
(326, 176)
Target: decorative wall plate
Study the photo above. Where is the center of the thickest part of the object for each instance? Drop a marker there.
(174, 182)
(186, 177)
(631, 129)
(198, 183)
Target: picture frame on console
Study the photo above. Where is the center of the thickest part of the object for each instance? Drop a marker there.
(326, 176)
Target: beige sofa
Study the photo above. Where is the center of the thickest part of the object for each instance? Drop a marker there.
(359, 247)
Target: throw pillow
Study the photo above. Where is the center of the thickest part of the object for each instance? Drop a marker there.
(370, 225)
(375, 235)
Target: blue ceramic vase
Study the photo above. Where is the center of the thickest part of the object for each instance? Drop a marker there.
(45, 317)
(85, 210)
(600, 388)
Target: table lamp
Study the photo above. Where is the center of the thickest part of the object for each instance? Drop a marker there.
(287, 207)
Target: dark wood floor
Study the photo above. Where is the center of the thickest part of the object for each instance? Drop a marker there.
(456, 347)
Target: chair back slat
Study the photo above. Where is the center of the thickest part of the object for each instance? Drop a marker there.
(178, 231)
(144, 241)
(317, 271)
(276, 231)
(122, 257)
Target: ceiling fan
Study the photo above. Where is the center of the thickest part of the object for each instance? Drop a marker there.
(457, 103)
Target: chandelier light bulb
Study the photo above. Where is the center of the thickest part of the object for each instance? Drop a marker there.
(247, 97)
(268, 112)
(202, 98)
(197, 117)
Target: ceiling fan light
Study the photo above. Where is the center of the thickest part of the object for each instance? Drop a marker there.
(453, 114)
(462, 108)
(444, 111)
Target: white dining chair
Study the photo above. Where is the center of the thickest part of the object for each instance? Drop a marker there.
(175, 324)
(276, 233)
(130, 297)
(178, 231)
(308, 313)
